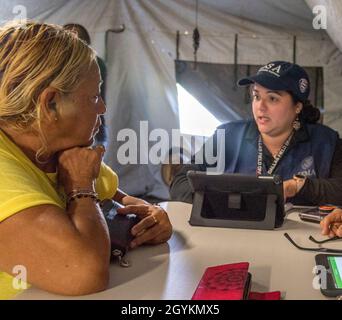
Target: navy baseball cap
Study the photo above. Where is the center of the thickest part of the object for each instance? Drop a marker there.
(282, 76)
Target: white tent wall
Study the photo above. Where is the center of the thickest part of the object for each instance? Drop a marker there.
(141, 77)
(333, 62)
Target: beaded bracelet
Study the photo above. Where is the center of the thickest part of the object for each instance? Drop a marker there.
(78, 194)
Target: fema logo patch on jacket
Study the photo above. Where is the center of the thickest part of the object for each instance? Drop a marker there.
(308, 167)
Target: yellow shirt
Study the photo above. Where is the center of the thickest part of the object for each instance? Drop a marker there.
(23, 185)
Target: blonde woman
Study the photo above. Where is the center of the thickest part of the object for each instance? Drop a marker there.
(50, 108)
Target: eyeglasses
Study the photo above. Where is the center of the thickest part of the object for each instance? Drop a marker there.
(318, 249)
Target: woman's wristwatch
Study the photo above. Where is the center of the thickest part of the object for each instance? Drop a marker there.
(300, 181)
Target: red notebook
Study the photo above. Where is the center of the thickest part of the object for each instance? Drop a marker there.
(225, 282)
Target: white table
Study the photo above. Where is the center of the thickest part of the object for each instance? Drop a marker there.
(173, 270)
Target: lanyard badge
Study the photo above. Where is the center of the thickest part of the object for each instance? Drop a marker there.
(276, 159)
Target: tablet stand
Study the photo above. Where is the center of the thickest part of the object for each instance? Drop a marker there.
(268, 223)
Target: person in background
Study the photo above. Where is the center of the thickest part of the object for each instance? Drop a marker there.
(102, 136)
(283, 139)
(51, 175)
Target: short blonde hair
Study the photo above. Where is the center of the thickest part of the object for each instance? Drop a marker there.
(34, 56)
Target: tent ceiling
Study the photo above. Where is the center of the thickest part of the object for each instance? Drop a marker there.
(289, 14)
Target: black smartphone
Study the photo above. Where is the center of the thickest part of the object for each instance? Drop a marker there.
(312, 215)
(329, 269)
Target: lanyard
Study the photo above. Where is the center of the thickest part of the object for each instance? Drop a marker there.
(276, 159)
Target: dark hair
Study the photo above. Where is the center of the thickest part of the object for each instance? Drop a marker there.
(309, 113)
(80, 30)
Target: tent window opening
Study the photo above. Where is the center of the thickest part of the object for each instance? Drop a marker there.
(194, 118)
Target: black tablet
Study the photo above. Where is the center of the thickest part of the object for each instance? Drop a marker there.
(329, 269)
(236, 201)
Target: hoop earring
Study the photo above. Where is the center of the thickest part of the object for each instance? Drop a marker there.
(296, 124)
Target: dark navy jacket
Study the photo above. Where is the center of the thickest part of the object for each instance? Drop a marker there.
(309, 154)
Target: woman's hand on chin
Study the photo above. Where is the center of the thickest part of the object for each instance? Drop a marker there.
(79, 167)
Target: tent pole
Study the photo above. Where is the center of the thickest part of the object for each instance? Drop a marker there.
(117, 30)
(236, 62)
(294, 49)
(177, 45)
